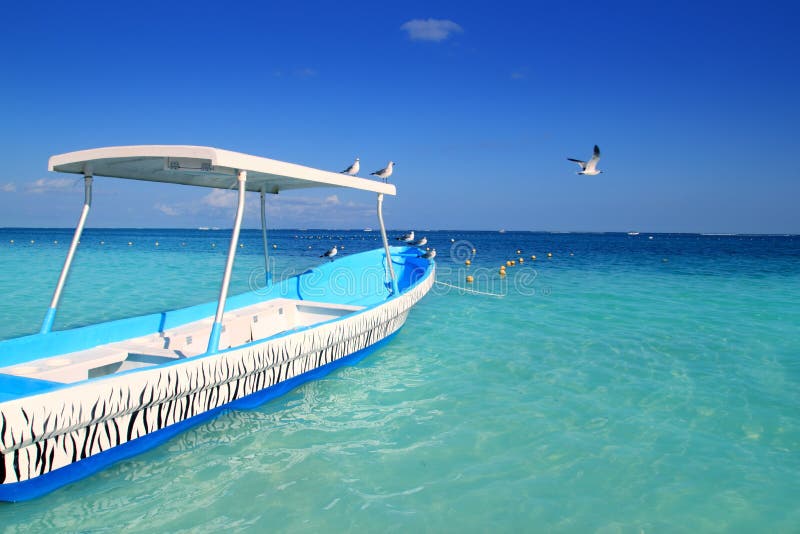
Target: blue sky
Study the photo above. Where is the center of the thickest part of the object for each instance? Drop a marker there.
(694, 105)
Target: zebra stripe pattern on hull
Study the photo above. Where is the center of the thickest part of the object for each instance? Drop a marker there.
(41, 433)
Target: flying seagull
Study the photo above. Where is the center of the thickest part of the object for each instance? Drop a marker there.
(353, 169)
(407, 238)
(429, 255)
(384, 173)
(589, 168)
(422, 242)
(331, 253)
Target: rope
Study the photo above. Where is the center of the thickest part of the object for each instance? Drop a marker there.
(472, 291)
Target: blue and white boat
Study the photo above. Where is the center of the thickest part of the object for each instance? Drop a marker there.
(74, 401)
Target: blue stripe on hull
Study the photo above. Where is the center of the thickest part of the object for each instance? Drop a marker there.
(36, 487)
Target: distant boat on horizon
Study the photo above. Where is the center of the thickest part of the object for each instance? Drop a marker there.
(204, 228)
(367, 229)
(633, 233)
(501, 231)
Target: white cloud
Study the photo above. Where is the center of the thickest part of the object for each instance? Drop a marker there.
(430, 29)
(49, 184)
(305, 73)
(220, 198)
(520, 74)
(10, 187)
(308, 211)
(172, 211)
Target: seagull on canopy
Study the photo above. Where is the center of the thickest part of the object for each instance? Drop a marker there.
(353, 169)
(384, 173)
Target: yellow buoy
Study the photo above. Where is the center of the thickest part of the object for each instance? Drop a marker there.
(502, 272)
(274, 246)
(533, 257)
(467, 262)
(549, 254)
(521, 260)
(508, 263)
(470, 279)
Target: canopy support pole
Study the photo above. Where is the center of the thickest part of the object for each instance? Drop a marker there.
(386, 245)
(50, 317)
(268, 277)
(216, 328)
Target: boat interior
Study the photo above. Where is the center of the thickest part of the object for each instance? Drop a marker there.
(241, 326)
(43, 362)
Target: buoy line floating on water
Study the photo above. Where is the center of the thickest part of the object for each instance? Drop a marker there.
(468, 290)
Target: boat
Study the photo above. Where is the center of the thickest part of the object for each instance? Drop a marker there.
(633, 233)
(74, 401)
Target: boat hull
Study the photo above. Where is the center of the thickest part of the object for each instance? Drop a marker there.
(53, 438)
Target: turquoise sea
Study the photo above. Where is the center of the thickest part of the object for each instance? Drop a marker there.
(644, 383)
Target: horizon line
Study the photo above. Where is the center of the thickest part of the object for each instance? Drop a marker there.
(297, 229)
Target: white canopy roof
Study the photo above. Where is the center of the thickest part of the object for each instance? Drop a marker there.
(205, 167)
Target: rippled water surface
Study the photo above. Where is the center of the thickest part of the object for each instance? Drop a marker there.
(626, 384)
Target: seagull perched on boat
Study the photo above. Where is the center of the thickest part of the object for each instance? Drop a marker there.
(384, 173)
(407, 238)
(589, 168)
(353, 169)
(428, 255)
(331, 253)
(422, 242)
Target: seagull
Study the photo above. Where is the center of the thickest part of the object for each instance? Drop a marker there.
(331, 253)
(384, 173)
(353, 169)
(420, 243)
(428, 255)
(407, 238)
(589, 168)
